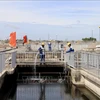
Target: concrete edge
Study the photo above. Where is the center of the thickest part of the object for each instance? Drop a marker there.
(91, 77)
(92, 92)
(90, 73)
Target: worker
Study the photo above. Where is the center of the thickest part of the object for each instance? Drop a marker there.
(42, 53)
(70, 48)
(49, 46)
(62, 46)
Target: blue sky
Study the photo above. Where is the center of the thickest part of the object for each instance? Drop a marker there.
(57, 16)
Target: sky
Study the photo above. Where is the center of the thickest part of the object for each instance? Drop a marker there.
(58, 19)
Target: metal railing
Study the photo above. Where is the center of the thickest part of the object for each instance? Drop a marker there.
(2, 62)
(30, 56)
(72, 59)
(85, 60)
(91, 62)
(7, 61)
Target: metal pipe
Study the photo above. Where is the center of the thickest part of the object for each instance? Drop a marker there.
(99, 33)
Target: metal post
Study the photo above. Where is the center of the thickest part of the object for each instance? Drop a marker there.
(62, 55)
(58, 45)
(98, 66)
(65, 61)
(2, 62)
(13, 63)
(91, 34)
(77, 60)
(99, 33)
(48, 37)
(56, 37)
(87, 66)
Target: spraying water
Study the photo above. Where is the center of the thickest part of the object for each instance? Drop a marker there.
(35, 64)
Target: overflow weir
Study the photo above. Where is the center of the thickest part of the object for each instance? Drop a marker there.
(61, 77)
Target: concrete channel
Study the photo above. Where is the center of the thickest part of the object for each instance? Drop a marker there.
(17, 88)
(58, 80)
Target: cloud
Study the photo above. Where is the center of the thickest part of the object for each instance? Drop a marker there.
(38, 19)
(50, 13)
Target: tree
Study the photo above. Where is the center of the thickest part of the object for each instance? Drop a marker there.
(89, 39)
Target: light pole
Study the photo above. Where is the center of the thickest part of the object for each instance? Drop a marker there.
(48, 37)
(57, 41)
(99, 33)
(92, 34)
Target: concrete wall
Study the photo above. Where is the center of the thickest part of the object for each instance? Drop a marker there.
(92, 87)
(4, 73)
(2, 78)
(91, 82)
(83, 78)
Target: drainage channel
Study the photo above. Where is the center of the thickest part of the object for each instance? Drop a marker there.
(57, 85)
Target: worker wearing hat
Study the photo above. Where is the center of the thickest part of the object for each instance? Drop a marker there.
(42, 52)
(70, 48)
(49, 46)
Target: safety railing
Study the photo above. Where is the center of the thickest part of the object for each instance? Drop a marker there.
(7, 60)
(30, 56)
(2, 62)
(91, 62)
(84, 60)
(72, 59)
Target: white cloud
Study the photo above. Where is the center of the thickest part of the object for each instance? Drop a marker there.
(41, 15)
(13, 15)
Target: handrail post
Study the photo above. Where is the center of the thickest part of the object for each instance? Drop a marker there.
(2, 61)
(13, 61)
(98, 68)
(62, 55)
(87, 61)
